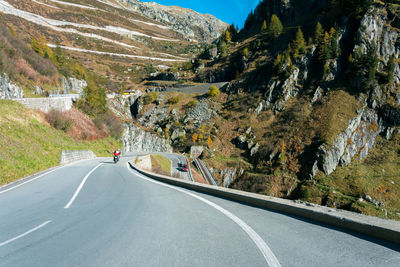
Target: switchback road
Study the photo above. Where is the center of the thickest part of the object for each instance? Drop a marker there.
(96, 213)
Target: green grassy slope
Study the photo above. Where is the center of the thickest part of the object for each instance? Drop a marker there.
(28, 145)
(161, 165)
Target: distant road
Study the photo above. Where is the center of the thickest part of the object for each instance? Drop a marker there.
(197, 89)
(96, 213)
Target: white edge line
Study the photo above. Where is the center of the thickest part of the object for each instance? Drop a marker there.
(80, 187)
(24, 234)
(260, 243)
(35, 178)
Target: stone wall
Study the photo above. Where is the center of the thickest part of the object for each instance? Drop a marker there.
(48, 103)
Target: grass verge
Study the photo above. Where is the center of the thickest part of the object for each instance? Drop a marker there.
(29, 145)
(161, 165)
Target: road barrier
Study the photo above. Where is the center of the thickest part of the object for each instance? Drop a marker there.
(387, 230)
(68, 156)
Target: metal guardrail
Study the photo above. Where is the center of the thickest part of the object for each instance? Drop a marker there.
(205, 172)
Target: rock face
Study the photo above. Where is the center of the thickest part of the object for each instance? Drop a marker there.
(192, 25)
(125, 107)
(200, 114)
(72, 85)
(138, 140)
(228, 176)
(164, 76)
(8, 90)
(355, 142)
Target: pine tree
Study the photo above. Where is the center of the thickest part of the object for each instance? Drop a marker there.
(35, 45)
(299, 45)
(264, 26)
(222, 47)
(318, 34)
(275, 27)
(333, 47)
(228, 37)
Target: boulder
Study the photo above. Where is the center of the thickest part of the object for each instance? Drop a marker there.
(178, 133)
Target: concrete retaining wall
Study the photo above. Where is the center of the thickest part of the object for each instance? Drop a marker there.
(144, 162)
(68, 156)
(371, 226)
(48, 103)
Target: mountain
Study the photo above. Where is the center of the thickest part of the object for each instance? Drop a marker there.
(312, 107)
(113, 39)
(191, 24)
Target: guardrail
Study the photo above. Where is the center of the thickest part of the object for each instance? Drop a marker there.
(387, 230)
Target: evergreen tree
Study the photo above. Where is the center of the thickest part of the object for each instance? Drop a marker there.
(318, 34)
(264, 26)
(299, 45)
(275, 26)
(222, 47)
(228, 37)
(35, 45)
(333, 46)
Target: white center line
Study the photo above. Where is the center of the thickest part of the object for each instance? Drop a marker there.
(24, 234)
(260, 243)
(80, 187)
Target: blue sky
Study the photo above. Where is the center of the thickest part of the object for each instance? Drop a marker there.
(230, 11)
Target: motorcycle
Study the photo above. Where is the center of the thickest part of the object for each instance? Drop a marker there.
(116, 159)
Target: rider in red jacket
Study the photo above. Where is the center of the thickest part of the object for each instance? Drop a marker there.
(117, 153)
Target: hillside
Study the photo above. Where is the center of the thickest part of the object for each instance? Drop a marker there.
(115, 40)
(29, 144)
(311, 109)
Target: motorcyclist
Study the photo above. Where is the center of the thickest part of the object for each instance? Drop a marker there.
(117, 153)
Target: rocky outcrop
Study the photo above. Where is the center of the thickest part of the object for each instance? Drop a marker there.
(138, 140)
(72, 85)
(200, 114)
(164, 76)
(9, 90)
(376, 32)
(125, 107)
(192, 25)
(154, 117)
(354, 143)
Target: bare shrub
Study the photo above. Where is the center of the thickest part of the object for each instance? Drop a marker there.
(110, 122)
(83, 127)
(58, 120)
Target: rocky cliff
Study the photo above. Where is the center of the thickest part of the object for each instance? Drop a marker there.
(9, 90)
(319, 98)
(192, 25)
(137, 140)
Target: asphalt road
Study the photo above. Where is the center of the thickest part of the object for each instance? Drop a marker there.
(117, 217)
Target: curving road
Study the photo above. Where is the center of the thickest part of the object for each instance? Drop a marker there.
(95, 213)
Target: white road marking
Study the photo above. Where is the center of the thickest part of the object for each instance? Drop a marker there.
(24, 234)
(80, 187)
(33, 179)
(260, 243)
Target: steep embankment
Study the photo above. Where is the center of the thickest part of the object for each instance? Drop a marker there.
(312, 108)
(29, 145)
